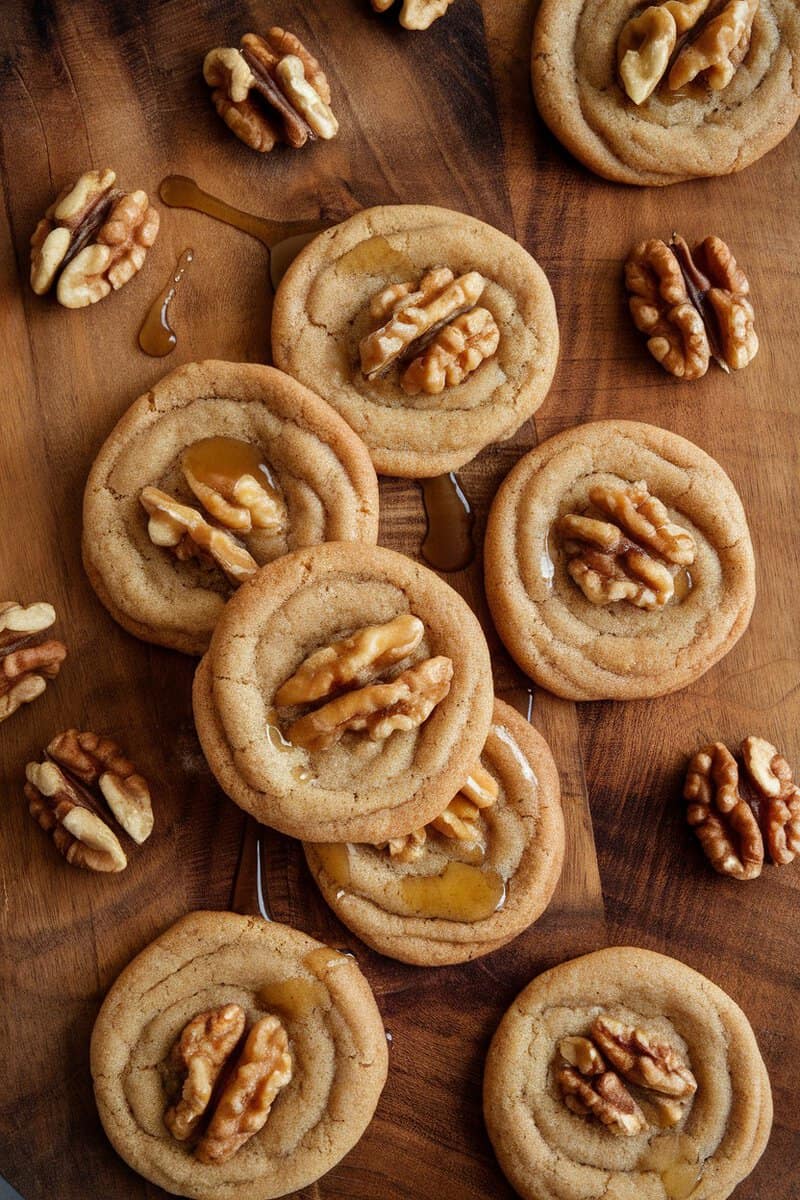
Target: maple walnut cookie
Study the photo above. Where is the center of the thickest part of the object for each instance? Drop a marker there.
(658, 93)
(475, 876)
(618, 562)
(432, 333)
(236, 1059)
(219, 468)
(345, 694)
(625, 1073)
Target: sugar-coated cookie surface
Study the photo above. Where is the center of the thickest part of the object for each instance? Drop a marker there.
(586, 651)
(320, 469)
(322, 312)
(357, 789)
(490, 897)
(667, 138)
(336, 1042)
(550, 1152)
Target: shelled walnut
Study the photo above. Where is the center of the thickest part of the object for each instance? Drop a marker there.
(233, 483)
(93, 238)
(185, 531)
(679, 41)
(734, 815)
(693, 305)
(350, 670)
(435, 326)
(209, 1050)
(59, 799)
(661, 1080)
(635, 556)
(27, 659)
(415, 14)
(270, 90)
(459, 821)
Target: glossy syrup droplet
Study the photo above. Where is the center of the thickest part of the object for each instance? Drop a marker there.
(448, 544)
(156, 336)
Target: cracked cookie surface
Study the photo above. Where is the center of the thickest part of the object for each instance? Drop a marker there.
(321, 470)
(549, 1152)
(522, 836)
(336, 1041)
(667, 138)
(321, 313)
(358, 788)
(585, 651)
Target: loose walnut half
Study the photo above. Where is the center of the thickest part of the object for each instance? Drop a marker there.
(189, 535)
(416, 315)
(777, 802)
(204, 1047)
(692, 304)
(634, 557)
(641, 1060)
(92, 239)
(78, 833)
(660, 307)
(27, 661)
(718, 48)
(416, 14)
(723, 821)
(353, 660)
(97, 760)
(378, 708)
(262, 1069)
(271, 90)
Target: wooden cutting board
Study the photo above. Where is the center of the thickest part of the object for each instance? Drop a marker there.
(442, 117)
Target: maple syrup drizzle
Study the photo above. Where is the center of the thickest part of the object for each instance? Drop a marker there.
(521, 699)
(156, 336)
(448, 544)
(261, 879)
(461, 892)
(674, 1158)
(220, 462)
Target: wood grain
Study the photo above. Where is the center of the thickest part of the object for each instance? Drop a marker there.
(443, 117)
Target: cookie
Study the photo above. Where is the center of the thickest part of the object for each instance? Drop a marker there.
(318, 1017)
(432, 333)
(703, 127)
(475, 878)
(618, 562)
(310, 481)
(625, 1073)
(344, 695)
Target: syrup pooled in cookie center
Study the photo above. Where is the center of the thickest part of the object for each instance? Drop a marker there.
(624, 547)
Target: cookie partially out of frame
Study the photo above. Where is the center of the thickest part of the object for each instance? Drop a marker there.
(321, 313)
(336, 1043)
(458, 899)
(550, 1152)
(697, 132)
(586, 651)
(319, 468)
(358, 788)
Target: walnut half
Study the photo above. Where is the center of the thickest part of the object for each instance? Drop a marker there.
(270, 90)
(634, 556)
(459, 821)
(693, 304)
(93, 238)
(27, 660)
(416, 14)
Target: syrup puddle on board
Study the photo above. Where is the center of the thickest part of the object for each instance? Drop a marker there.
(156, 336)
(448, 544)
